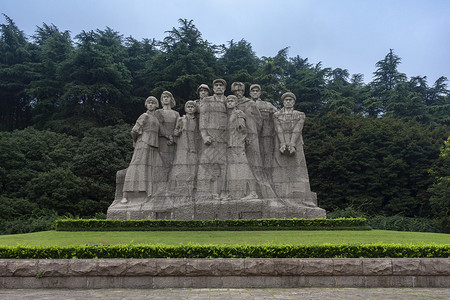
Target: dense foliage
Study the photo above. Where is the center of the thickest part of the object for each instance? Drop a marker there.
(207, 225)
(67, 105)
(227, 251)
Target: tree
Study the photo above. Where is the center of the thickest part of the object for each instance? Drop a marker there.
(438, 101)
(139, 61)
(239, 62)
(440, 190)
(15, 72)
(54, 47)
(185, 61)
(386, 77)
(341, 95)
(271, 76)
(404, 103)
(307, 82)
(97, 83)
(374, 165)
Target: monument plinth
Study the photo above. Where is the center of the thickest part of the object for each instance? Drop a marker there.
(227, 158)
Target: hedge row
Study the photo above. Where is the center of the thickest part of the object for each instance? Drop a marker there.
(228, 251)
(197, 225)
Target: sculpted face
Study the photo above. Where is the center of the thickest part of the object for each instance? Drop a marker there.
(255, 93)
(219, 88)
(151, 105)
(189, 109)
(165, 99)
(231, 102)
(288, 102)
(203, 93)
(239, 92)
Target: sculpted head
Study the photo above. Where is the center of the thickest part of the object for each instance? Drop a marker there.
(288, 99)
(238, 89)
(190, 107)
(167, 99)
(219, 86)
(203, 91)
(231, 101)
(255, 91)
(151, 103)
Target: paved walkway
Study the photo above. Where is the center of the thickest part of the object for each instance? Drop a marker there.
(219, 294)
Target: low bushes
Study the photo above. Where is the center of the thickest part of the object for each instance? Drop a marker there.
(396, 222)
(197, 225)
(228, 251)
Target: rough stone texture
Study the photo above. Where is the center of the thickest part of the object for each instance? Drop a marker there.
(171, 267)
(83, 267)
(344, 267)
(227, 273)
(141, 267)
(406, 267)
(433, 266)
(318, 267)
(22, 268)
(52, 268)
(108, 267)
(377, 267)
(210, 164)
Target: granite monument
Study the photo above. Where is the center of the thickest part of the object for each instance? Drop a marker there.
(226, 158)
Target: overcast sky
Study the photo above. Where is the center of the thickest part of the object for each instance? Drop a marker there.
(347, 34)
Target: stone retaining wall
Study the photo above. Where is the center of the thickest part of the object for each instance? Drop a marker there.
(224, 273)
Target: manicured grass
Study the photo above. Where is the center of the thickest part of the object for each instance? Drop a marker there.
(61, 238)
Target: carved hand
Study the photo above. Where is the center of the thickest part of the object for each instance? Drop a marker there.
(170, 142)
(208, 140)
(282, 148)
(291, 149)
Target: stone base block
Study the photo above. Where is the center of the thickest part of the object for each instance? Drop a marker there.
(190, 209)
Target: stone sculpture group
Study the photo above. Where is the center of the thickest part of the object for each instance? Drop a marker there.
(226, 158)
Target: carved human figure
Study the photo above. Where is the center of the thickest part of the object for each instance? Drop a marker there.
(203, 91)
(143, 173)
(168, 119)
(290, 174)
(266, 133)
(241, 184)
(213, 131)
(254, 123)
(183, 174)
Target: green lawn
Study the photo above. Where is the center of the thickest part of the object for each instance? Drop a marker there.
(65, 238)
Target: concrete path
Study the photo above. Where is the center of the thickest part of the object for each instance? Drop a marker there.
(219, 294)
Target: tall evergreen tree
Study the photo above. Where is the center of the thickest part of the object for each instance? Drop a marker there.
(386, 77)
(54, 47)
(185, 61)
(307, 82)
(239, 62)
(15, 75)
(97, 83)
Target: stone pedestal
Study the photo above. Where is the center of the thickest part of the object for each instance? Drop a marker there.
(179, 208)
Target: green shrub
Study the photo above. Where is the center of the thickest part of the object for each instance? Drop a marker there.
(400, 223)
(397, 222)
(227, 251)
(39, 220)
(239, 224)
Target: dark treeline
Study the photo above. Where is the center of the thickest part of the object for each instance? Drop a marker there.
(67, 106)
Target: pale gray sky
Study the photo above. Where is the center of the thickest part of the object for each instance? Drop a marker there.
(349, 34)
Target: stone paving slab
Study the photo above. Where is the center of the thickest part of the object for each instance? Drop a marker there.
(220, 294)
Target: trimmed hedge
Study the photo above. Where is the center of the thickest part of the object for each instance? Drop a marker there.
(228, 251)
(203, 225)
